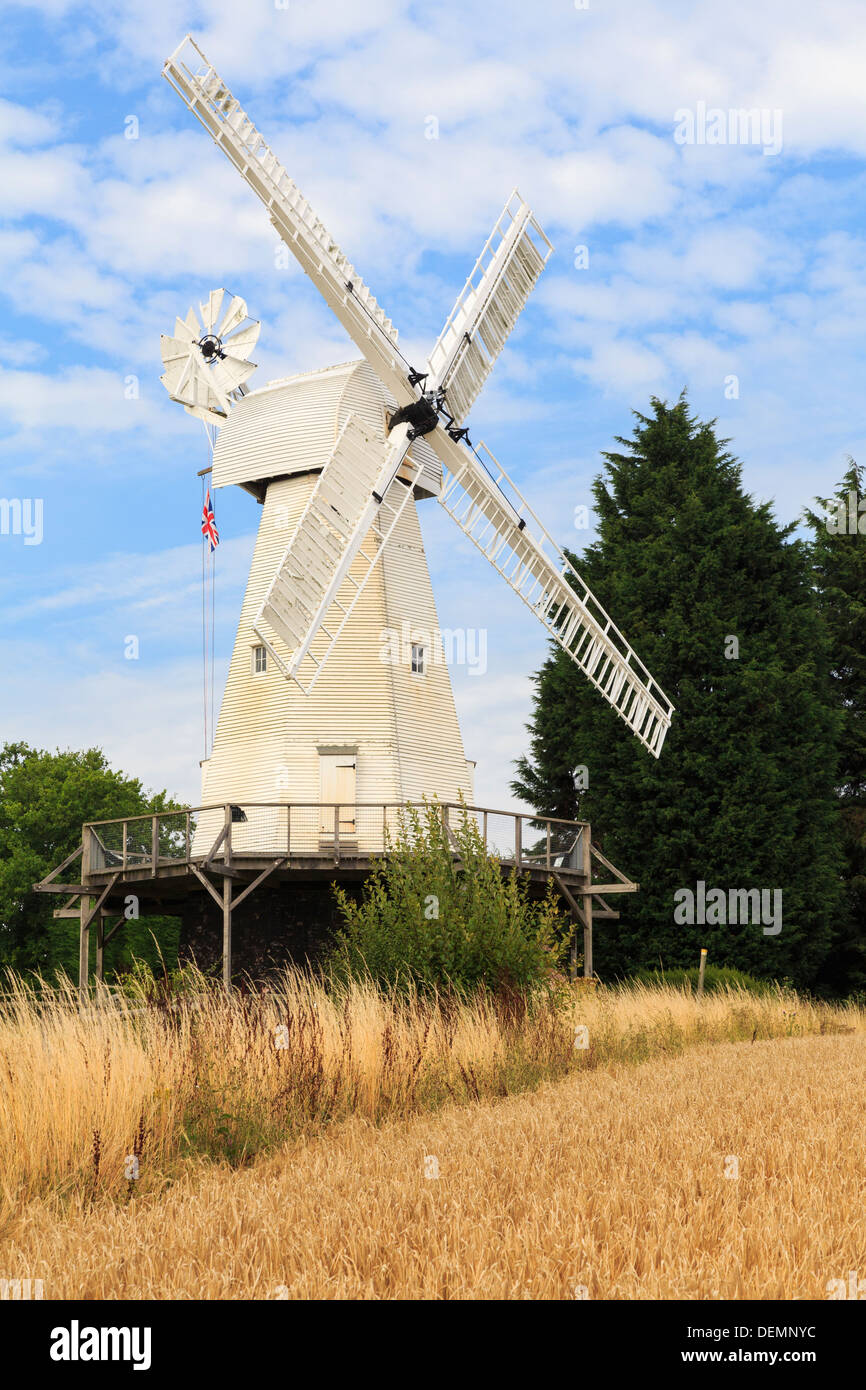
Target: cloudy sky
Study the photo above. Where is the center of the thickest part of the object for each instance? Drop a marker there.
(734, 269)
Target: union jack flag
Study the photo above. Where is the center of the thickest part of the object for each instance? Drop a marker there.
(208, 524)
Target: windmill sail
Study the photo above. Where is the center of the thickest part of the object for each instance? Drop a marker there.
(313, 593)
(210, 100)
(489, 305)
(520, 549)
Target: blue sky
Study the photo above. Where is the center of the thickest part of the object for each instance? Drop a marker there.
(705, 262)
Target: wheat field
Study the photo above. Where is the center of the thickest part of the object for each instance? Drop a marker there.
(294, 1143)
(609, 1184)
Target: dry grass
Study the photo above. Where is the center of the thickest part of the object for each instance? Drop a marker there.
(612, 1179)
(205, 1076)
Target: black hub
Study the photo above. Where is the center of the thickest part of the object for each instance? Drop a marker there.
(211, 347)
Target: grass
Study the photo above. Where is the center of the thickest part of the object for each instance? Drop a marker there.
(203, 1075)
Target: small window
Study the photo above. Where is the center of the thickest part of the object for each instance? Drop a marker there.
(417, 659)
(260, 660)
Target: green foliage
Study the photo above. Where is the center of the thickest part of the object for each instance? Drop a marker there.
(743, 793)
(716, 977)
(839, 559)
(44, 800)
(425, 921)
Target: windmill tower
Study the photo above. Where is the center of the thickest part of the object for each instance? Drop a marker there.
(316, 707)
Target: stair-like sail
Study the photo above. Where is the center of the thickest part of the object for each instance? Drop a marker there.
(314, 592)
(489, 305)
(520, 549)
(211, 102)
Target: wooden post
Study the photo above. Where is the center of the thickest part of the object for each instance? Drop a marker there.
(587, 904)
(125, 842)
(336, 834)
(227, 930)
(548, 845)
(84, 929)
(227, 842)
(701, 972)
(289, 830)
(187, 844)
(154, 846)
(100, 946)
(518, 840)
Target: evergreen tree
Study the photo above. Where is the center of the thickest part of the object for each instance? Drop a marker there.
(44, 800)
(718, 603)
(839, 556)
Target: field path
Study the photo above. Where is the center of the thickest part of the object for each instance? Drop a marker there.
(612, 1182)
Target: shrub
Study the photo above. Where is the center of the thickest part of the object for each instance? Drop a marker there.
(715, 977)
(438, 913)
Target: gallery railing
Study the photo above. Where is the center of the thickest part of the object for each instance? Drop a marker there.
(318, 831)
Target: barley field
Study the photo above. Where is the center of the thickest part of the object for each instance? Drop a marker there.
(380, 1148)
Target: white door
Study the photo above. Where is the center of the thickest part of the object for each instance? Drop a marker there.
(337, 784)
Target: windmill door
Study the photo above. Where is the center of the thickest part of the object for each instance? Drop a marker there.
(337, 785)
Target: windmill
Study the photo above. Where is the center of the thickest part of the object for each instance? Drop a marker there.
(337, 458)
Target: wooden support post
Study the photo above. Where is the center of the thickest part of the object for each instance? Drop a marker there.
(84, 948)
(227, 931)
(227, 851)
(84, 919)
(587, 904)
(125, 844)
(100, 947)
(154, 846)
(518, 840)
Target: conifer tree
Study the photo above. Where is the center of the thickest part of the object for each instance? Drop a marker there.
(839, 557)
(716, 598)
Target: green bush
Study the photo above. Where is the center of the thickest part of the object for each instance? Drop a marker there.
(440, 914)
(715, 977)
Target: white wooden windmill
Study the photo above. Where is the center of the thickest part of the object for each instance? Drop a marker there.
(338, 457)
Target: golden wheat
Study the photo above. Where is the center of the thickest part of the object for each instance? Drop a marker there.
(609, 1184)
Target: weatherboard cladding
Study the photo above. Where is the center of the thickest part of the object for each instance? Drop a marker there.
(290, 426)
(404, 727)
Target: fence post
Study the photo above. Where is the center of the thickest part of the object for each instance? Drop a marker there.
(547, 865)
(701, 972)
(154, 845)
(336, 834)
(188, 841)
(518, 840)
(289, 829)
(125, 838)
(227, 843)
